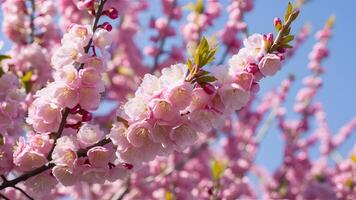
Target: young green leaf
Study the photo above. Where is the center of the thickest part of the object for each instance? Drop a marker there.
(288, 11)
(218, 169)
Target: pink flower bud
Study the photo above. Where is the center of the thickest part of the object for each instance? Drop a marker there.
(99, 156)
(137, 134)
(277, 23)
(270, 64)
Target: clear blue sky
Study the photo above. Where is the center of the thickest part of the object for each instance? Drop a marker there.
(338, 93)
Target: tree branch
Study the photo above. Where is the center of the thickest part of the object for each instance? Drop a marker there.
(23, 192)
(81, 152)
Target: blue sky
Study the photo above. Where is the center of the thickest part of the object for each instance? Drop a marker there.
(338, 94)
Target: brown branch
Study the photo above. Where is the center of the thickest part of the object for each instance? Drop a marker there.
(43, 168)
(23, 192)
(4, 197)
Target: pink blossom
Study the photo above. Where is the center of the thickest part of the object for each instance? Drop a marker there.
(99, 157)
(270, 64)
(89, 134)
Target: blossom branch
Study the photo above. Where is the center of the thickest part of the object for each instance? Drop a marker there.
(23, 192)
(63, 121)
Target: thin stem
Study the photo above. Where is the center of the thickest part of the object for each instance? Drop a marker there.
(59, 132)
(125, 192)
(23, 192)
(95, 26)
(4, 197)
(179, 166)
(24, 177)
(162, 41)
(262, 132)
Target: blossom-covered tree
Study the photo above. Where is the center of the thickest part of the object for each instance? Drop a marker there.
(187, 125)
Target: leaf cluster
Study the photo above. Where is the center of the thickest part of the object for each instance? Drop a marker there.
(203, 55)
(284, 37)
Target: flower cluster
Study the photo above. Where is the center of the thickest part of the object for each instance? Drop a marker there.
(12, 108)
(236, 10)
(201, 17)
(30, 26)
(167, 112)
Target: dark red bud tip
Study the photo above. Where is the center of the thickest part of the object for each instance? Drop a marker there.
(252, 68)
(87, 117)
(281, 50)
(74, 110)
(74, 126)
(270, 38)
(112, 13)
(89, 4)
(111, 165)
(210, 191)
(209, 88)
(106, 25)
(87, 162)
(277, 21)
(92, 12)
(127, 166)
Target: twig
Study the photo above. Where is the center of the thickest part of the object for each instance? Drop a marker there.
(23, 192)
(59, 132)
(281, 32)
(180, 165)
(261, 133)
(121, 196)
(4, 197)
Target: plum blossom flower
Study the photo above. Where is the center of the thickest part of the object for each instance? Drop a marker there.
(270, 64)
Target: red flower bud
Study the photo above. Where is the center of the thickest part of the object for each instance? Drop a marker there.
(106, 25)
(112, 13)
(209, 88)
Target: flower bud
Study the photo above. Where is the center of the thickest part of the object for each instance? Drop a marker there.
(106, 25)
(112, 13)
(277, 23)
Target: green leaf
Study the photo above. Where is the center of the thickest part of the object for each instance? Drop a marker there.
(3, 57)
(204, 54)
(199, 8)
(217, 169)
(287, 39)
(202, 73)
(206, 79)
(288, 11)
(1, 71)
(294, 15)
(189, 65)
(26, 81)
(286, 46)
(169, 196)
(2, 140)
